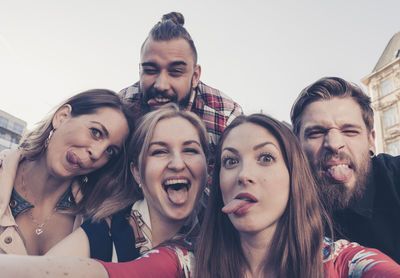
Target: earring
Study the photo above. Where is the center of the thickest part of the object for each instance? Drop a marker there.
(140, 185)
(46, 143)
(84, 180)
(371, 153)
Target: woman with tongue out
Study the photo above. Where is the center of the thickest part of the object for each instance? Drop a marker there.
(168, 172)
(68, 166)
(264, 219)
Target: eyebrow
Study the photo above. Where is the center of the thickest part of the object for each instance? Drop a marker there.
(178, 63)
(163, 144)
(256, 147)
(259, 146)
(149, 64)
(173, 64)
(321, 127)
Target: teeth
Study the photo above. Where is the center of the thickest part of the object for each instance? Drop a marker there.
(175, 181)
(162, 99)
(339, 166)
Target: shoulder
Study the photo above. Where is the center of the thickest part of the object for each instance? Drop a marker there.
(217, 101)
(131, 93)
(387, 170)
(349, 259)
(387, 161)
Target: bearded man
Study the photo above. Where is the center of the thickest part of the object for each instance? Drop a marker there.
(333, 120)
(169, 72)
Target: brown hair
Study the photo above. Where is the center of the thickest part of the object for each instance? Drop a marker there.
(102, 183)
(296, 246)
(169, 28)
(327, 88)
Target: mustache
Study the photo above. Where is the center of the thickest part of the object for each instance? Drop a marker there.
(327, 156)
(153, 93)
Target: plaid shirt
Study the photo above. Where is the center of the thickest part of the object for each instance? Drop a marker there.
(215, 108)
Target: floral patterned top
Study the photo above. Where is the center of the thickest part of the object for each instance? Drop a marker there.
(349, 259)
(341, 259)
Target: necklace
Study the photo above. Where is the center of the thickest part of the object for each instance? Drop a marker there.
(39, 226)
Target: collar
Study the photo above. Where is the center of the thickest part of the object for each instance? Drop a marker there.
(141, 217)
(18, 204)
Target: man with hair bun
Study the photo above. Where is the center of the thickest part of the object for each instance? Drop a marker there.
(169, 73)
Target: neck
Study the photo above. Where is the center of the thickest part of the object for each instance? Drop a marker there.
(163, 230)
(40, 182)
(255, 248)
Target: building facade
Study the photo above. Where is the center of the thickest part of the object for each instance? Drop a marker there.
(11, 130)
(384, 89)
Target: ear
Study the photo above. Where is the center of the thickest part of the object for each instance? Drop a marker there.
(196, 76)
(371, 140)
(135, 173)
(62, 114)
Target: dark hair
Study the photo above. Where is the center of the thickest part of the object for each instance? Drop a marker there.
(296, 246)
(102, 183)
(327, 88)
(169, 28)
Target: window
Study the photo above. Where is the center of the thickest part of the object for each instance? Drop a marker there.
(3, 122)
(394, 148)
(18, 128)
(390, 117)
(387, 87)
(14, 140)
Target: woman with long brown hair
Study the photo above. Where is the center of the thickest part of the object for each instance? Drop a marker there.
(264, 218)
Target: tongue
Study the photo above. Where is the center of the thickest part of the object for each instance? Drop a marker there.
(177, 197)
(233, 206)
(340, 173)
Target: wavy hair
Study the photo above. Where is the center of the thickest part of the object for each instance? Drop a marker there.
(296, 246)
(327, 88)
(104, 182)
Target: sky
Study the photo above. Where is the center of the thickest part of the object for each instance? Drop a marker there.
(260, 53)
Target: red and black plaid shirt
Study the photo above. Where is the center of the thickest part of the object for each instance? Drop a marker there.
(216, 109)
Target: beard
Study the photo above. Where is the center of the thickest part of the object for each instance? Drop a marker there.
(336, 195)
(152, 93)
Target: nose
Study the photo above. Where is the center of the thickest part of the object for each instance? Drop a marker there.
(334, 140)
(96, 151)
(162, 82)
(245, 176)
(176, 162)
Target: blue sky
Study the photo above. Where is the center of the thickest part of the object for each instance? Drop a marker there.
(261, 53)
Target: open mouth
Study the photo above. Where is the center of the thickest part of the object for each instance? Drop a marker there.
(240, 204)
(340, 172)
(158, 100)
(177, 190)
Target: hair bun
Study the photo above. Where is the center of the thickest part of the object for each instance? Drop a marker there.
(175, 17)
